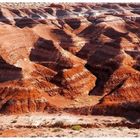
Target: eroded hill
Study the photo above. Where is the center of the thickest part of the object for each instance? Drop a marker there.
(73, 57)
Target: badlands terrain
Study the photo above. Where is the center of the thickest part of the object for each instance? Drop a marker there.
(70, 59)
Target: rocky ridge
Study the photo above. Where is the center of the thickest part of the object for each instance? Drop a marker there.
(67, 56)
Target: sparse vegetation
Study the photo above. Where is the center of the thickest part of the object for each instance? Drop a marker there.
(56, 130)
(76, 127)
(58, 124)
(80, 119)
(14, 121)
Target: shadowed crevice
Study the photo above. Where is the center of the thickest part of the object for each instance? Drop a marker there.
(9, 72)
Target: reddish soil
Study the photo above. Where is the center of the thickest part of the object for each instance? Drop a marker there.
(77, 58)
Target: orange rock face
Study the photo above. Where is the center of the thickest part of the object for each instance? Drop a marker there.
(68, 56)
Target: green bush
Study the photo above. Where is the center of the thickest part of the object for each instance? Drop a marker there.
(76, 127)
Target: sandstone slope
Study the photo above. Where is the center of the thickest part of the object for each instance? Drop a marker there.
(61, 56)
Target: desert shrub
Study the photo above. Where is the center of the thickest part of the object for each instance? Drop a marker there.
(58, 124)
(56, 130)
(76, 127)
(14, 121)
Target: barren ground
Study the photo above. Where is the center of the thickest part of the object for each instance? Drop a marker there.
(64, 125)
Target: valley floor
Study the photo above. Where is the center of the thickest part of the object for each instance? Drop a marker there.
(66, 125)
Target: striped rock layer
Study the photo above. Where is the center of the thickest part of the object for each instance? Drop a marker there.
(70, 57)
